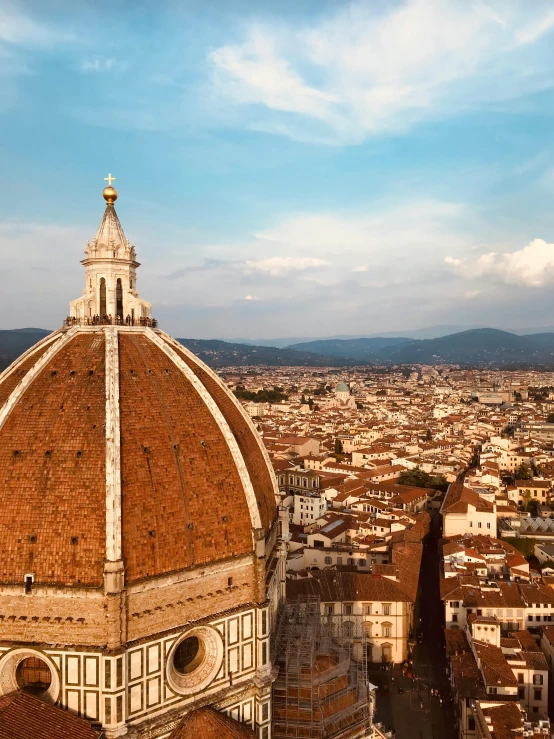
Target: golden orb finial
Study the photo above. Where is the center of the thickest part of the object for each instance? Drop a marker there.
(110, 193)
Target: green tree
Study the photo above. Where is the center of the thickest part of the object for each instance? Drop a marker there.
(419, 479)
(428, 435)
(338, 446)
(525, 497)
(524, 472)
(303, 399)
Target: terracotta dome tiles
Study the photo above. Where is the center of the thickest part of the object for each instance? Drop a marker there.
(183, 502)
(190, 463)
(52, 471)
(260, 475)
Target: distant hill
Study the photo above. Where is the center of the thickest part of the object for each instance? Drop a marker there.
(476, 347)
(431, 332)
(365, 350)
(15, 342)
(482, 346)
(225, 354)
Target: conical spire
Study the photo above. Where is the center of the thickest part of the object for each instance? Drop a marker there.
(110, 232)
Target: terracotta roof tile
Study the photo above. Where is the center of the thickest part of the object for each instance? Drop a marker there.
(23, 716)
(207, 723)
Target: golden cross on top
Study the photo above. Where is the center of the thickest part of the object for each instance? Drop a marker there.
(110, 179)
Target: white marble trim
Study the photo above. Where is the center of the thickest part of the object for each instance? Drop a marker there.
(221, 422)
(237, 403)
(113, 447)
(37, 368)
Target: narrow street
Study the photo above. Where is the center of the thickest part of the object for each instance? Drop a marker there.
(405, 704)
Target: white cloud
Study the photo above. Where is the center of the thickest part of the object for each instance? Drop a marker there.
(531, 266)
(19, 29)
(413, 228)
(361, 268)
(279, 266)
(453, 261)
(472, 293)
(20, 34)
(370, 68)
(98, 64)
(251, 297)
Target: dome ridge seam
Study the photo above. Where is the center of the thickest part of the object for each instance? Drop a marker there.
(28, 379)
(221, 422)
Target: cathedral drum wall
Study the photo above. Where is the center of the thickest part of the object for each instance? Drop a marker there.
(157, 607)
(52, 617)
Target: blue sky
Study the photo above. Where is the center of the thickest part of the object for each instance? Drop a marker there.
(285, 169)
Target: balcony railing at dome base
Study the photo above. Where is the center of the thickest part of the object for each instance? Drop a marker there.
(110, 321)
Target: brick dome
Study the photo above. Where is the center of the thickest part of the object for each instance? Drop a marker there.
(118, 444)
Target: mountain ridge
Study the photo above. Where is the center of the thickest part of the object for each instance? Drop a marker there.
(471, 348)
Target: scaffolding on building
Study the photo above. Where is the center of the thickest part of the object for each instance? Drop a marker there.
(322, 689)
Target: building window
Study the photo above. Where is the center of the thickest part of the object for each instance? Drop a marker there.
(265, 711)
(387, 628)
(520, 677)
(521, 693)
(537, 694)
(108, 675)
(362, 562)
(189, 655)
(119, 672)
(33, 676)
(350, 561)
(479, 524)
(264, 653)
(386, 609)
(328, 560)
(119, 708)
(470, 723)
(264, 623)
(329, 609)
(339, 560)
(367, 609)
(348, 609)
(455, 618)
(492, 691)
(488, 525)
(537, 679)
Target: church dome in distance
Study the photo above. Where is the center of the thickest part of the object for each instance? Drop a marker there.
(118, 445)
(342, 387)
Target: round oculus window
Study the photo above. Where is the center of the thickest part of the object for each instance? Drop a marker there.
(195, 660)
(33, 676)
(30, 671)
(189, 655)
